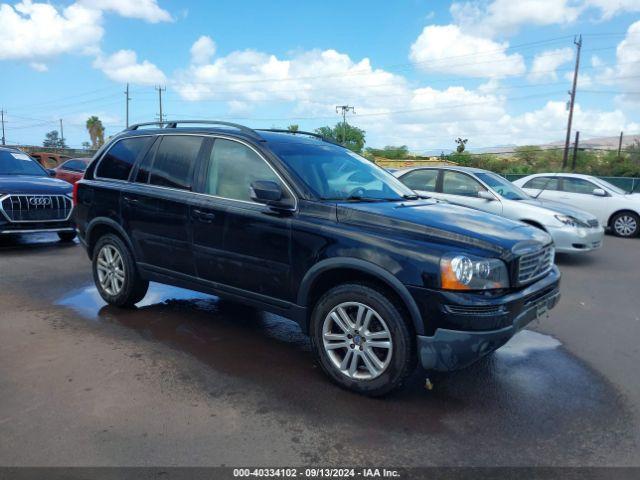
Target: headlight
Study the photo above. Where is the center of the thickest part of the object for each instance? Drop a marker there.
(569, 221)
(462, 272)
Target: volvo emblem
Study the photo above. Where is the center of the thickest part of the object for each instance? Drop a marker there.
(40, 201)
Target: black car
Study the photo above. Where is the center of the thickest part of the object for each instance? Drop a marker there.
(30, 200)
(294, 224)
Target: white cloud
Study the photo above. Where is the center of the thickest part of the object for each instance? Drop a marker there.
(505, 17)
(38, 30)
(545, 64)
(203, 50)
(626, 72)
(147, 10)
(610, 8)
(446, 49)
(38, 67)
(123, 66)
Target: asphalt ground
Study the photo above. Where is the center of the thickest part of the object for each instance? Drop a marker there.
(189, 380)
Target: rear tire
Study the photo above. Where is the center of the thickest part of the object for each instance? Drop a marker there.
(625, 224)
(346, 323)
(67, 236)
(115, 273)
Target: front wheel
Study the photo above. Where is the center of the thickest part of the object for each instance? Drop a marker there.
(115, 273)
(625, 224)
(362, 340)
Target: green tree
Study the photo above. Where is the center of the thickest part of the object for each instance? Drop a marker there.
(390, 152)
(96, 132)
(528, 154)
(52, 140)
(351, 137)
(462, 142)
(293, 127)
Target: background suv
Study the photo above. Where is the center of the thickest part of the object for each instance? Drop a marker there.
(572, 230)
(299, 226)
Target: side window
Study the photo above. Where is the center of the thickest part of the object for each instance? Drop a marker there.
(118, 161)
(73, 165)
(456, 183)
(174, 161)
(144, 167)
(540, 183)
(577, 185)
(421, 180)
(232, 168)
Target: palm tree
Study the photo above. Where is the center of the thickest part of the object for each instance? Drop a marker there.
(96, 132)
(293, 128)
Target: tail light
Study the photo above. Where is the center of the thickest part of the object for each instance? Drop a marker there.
(75, 194)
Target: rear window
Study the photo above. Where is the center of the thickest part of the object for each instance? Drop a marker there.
(421, 180)
(119, 160)
(174, 161)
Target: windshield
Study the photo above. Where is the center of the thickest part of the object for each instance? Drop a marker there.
(610, 186)
(18, 163)
(335, 173)
(502, 186)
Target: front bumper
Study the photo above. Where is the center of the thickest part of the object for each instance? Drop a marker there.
(451, 348)
(575, 240)
(37, 227)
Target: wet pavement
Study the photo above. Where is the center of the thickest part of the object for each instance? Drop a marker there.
(188, 379)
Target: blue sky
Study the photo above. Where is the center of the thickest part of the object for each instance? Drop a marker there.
(418, 72)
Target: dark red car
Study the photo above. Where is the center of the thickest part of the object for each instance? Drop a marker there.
(72, 170)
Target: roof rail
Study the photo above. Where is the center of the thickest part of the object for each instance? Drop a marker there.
(174, 124)
(301, 132)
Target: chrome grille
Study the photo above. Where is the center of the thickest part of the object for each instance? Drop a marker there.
(535, 265)
(36, 208)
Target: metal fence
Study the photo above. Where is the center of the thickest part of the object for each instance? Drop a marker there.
(629, 184)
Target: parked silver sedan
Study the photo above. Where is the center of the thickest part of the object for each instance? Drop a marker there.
(573, 230)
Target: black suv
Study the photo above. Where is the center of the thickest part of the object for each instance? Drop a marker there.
(294, 224)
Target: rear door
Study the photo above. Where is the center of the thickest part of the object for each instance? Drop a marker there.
(423, 181)
(462, 189)
(578, 192)
(158, 209)
(544, 188)
(238, 242)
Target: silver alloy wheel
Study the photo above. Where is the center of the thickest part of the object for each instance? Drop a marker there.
(110, 268)
(357, 341)
(625, 225)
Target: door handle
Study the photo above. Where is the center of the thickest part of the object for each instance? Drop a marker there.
(204, 217)
(130, 200)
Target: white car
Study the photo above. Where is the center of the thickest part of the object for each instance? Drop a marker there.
(614, 208)
(572, 230)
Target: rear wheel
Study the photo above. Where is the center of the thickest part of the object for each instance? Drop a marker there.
(362, 340)
(66, 236)
(625, 224)
(115, 273)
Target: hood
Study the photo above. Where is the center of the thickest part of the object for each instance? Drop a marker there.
(560, 208)
(34, 185)
(446, 222)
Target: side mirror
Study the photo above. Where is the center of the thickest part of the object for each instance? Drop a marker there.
(599, 192)
(486, 195)
(270, 193)
(51, 172)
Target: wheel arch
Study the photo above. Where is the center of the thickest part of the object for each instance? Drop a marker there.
(331, 272)
(101, 226)
(533, 223)
(617, 212)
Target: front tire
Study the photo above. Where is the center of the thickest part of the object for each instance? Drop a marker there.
(625, 224)
(115, 273)
(362, 340)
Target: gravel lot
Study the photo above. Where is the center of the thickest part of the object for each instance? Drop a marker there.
(189, 380)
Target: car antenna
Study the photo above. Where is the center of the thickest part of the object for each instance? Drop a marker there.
(544, 187)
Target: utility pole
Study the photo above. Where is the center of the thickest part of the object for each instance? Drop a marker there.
(2, 121)
(160, 90)
(620, 145)
(572, 92)
(344, 109)
(126, 92)
(575, 152)
(61, 133)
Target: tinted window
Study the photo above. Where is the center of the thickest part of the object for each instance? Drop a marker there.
(144, 167)
(174, 161)
(18, 163)
(421, 180)
(233, 167)
(75, 165)
(578, 185)
(455, 183)
(542, 183)
(119, 160)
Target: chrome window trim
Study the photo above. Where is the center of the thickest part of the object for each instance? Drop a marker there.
(4, 197)
(209, 195)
